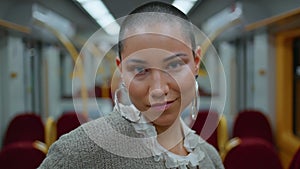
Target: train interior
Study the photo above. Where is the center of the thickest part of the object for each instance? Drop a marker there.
(58, 57)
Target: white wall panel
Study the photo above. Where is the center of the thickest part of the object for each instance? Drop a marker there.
(12, 79)
(51, 81)
(263, 73)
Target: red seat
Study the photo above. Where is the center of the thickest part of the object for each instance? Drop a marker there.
(25, 127)
(252, 123)
(23, 155)
(98, 91)
(206, 125)
(68, 121)
(295, 163)
(252, 153)
(103, 92)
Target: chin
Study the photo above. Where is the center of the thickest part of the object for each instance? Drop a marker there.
(165, 120)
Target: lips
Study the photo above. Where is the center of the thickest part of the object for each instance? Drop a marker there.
(161, 106)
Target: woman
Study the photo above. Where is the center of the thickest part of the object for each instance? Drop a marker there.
(158, 62)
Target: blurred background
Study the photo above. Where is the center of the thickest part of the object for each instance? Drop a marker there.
(57, 58)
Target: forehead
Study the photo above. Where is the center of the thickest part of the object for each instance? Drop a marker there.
(168, 29)
(157, 36)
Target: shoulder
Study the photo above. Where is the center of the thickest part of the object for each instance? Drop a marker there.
(112, 123)
(98, 140)
(85, 136)
(212, 157)
(209, 149)
(70, 148)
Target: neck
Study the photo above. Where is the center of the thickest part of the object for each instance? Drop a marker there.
(171, 137)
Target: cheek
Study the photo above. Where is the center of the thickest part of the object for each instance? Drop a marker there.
(185, 82)
(137, 94)
(136, 89)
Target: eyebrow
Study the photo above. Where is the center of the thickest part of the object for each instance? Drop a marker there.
(137, 61)
(174, 56)
(165, 60)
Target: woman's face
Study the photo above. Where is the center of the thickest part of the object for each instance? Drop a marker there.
(159, 71)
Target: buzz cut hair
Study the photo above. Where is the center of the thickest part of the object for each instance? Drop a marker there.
(156, 12)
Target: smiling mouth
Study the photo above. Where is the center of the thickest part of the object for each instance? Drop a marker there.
(161, 106)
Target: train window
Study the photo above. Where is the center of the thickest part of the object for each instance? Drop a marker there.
(296, 85)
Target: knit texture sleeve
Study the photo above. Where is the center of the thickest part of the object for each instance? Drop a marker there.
(55, 158)
(67, 152)
(94, 145)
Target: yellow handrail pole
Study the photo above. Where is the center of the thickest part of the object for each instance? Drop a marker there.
(74, 54)
(15, 27)
(208, 41)
(97, 52)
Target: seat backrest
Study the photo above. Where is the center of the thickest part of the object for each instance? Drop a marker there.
(295, 163)
(21, 155)
(252, 153)
(103, 92)
(68, 121)
(252, 123)
(206, 125)
(24, 127)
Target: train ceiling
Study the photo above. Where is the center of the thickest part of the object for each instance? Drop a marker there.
(19, 11)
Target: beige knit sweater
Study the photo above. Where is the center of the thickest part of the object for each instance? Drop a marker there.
(109, 143)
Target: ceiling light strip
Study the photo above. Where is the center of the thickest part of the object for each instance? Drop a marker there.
(184, 5)
(98, 10)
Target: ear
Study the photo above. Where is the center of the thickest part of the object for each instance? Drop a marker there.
(197, 59)
(118, 63)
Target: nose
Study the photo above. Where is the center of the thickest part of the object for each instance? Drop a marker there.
(159, 84)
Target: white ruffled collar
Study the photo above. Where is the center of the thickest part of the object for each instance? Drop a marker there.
(142, 126)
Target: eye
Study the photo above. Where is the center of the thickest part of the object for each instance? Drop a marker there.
(140, 70)
(175, 65)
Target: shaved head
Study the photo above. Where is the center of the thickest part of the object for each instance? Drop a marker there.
(153, 13)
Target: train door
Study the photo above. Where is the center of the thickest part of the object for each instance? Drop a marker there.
(296, 86)
(287, 100)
